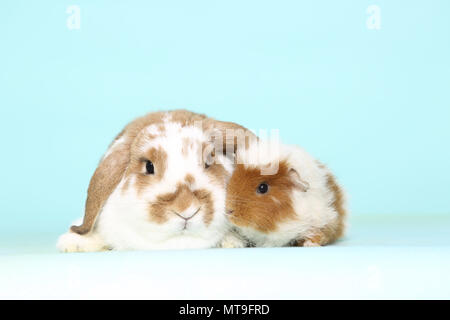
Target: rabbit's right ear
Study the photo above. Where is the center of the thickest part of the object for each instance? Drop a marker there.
(234, 136)
(105, 179)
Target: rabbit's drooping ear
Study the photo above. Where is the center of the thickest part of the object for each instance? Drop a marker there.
(111, 169)
(105, 179)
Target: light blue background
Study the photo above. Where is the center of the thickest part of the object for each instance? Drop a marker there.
(372, 104)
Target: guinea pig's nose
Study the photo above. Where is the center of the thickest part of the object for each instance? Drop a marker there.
(229, 211)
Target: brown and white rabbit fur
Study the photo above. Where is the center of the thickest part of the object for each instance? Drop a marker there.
(154, 190)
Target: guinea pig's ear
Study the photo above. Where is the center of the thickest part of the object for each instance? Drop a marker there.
(297, 180)
(105, 179)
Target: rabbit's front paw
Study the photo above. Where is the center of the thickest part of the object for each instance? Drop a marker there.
(311, 243)
(232, 241)
(73, 242)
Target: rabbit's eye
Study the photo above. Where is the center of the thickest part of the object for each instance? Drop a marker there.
(209, 161)
(149, 167)
(263, 188)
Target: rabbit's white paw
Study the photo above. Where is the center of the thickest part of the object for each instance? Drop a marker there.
(309, 243)
(73, 242)
(232, 241)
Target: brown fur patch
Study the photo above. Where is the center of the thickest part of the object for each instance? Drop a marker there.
(207, 206)
(334, 232)
(178, 201)
(138, 163)
(262, 212)
(218, 174)
(335, 229)
(158, 212)
(184, 198)
(187, 118)
(190, 180)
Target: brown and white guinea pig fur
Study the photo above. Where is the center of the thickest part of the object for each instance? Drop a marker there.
(284, 197)
(156, 188)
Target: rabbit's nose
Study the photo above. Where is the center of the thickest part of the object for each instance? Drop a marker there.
(187, 214)
(229, 211)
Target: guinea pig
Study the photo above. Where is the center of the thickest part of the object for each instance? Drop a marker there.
(298, 203)
(158, 186)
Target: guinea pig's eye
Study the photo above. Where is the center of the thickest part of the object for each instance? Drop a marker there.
(149, 167)
(263, 188)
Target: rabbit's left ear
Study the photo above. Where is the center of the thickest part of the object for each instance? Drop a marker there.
(297, 180)
(105, 179)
